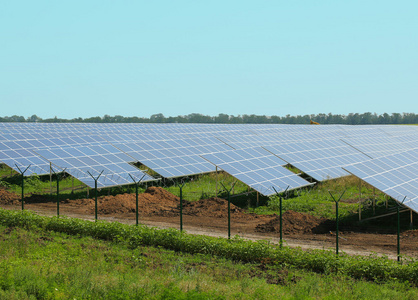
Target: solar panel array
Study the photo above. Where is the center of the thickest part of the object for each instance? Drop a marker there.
(378, 146)
(173, 158)
(395, 175)
(88, 162)
(257, 168)
(174, 150)
(321, 160)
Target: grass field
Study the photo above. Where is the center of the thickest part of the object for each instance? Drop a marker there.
(39, 264)
(42, 264)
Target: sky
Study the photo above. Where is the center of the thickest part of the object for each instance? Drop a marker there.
(74, 58)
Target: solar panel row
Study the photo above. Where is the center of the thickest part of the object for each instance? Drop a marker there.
(394, 175)
(177, 149)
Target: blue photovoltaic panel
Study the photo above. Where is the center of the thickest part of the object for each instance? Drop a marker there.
(17, 155)
(395, 175)
(378, 146)
(16, 150)
(322, 160)
(175, 148)
(79, 161)
(365, 131)
(257, 168)
(174, 158)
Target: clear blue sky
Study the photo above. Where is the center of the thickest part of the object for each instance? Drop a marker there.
(137, 58)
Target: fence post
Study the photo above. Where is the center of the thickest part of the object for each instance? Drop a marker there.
(95, 193)
(337, 218)
(229, 207)
(23, 184)
(281, 214)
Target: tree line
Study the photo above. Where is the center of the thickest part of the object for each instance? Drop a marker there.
(350, 119)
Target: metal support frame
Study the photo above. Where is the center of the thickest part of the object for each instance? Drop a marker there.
(23, 184)
(337, 218)
(229, 207)
(411, 223)
(181, 204)
(58, 187)
(136, 197)
(384, 215)
(281, 214)
(50, 178)
(398, 231)
(216, 170)
(95, 193)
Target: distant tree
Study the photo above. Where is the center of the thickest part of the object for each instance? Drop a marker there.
(93, 120)
(199, 118)
(366, 118)
(15, 118)
(34, 118)
(236, 120)
(222, 118)
(352, 118)
(157, 118)
(410, 118)
(396, 118)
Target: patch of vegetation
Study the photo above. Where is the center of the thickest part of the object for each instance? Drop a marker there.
(373, 268)
(205, 186)
(38, 264)
(317, 200)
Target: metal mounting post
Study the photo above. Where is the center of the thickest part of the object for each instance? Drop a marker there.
(136, 198)
(216, 170)
(281, 214)
(58, 187)
(181, 204)
(229, 207)
(411, 222)
(95, 193)
(337, 218)
(398, 231)
(23, 184)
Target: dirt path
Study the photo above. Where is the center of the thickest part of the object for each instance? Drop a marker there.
(159, 208)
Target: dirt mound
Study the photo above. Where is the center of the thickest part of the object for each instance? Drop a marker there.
(295, 222)
(410, 233)
(211, 207)
(162, 194)
(8, 198)
(154, 200)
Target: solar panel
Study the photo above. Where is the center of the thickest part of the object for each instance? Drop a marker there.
(174, 158)
(395, 175)
(378, 146)
(79, 161)
(18, 156)
(174, 149)
(257, 168)
(322, 160)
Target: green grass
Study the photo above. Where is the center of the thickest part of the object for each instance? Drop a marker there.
(35, 184)
(317, 200)
(41, 264)
(321, 261)
(206, 186)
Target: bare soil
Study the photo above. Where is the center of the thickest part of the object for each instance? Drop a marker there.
(157, 207)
